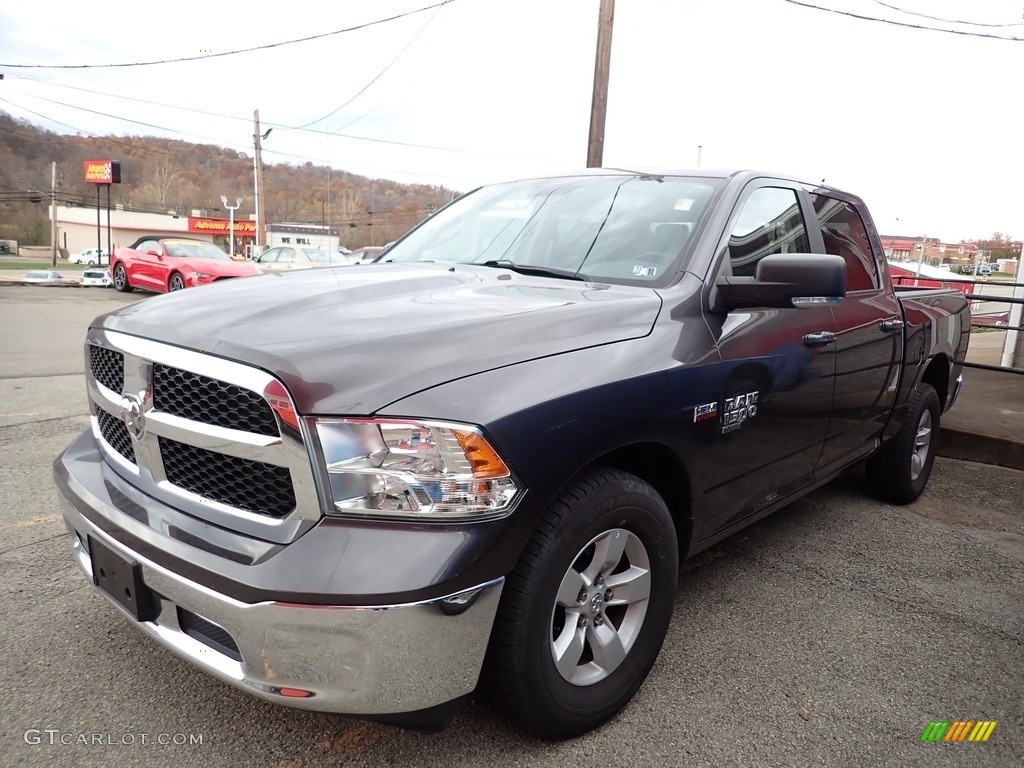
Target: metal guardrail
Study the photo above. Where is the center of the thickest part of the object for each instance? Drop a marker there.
(975, 298)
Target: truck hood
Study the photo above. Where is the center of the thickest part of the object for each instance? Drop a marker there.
(351, 340)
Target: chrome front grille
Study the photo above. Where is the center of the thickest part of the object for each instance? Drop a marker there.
(196, 432)
(201, 398)
(250, 485)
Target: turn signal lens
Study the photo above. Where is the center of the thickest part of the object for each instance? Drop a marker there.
(281, 403)
(482, 458)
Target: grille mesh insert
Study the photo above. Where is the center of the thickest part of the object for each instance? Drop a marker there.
(200, 398)
(264, 489)
(116, 434)
(107, 367)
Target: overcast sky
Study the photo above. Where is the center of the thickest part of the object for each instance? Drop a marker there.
(925, 126)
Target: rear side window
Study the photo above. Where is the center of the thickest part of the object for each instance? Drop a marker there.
(769, 222)
(845, 235)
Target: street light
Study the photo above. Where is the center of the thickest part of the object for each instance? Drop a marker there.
(231, 224)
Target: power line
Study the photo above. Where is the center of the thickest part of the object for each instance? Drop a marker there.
(28, 137)
(905, 24)
(279, 126)
(380, 74)
(114, 117)
(945, 21)
(235, 52)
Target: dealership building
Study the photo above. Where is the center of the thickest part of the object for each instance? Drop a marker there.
(77, 229)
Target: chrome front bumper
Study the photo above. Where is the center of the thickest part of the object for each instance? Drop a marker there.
(359, 660)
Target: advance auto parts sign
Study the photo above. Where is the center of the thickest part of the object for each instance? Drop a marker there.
(102, 171)
(220, 226)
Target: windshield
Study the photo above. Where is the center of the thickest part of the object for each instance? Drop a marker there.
(195, 249)
(622, 229)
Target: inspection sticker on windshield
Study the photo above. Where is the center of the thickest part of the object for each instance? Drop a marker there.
(641, 271)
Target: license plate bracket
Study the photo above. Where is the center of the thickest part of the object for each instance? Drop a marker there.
(121, 579)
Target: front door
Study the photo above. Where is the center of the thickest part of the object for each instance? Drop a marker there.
(776, 371)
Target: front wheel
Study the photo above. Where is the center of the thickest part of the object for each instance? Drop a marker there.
(176, 283)
(92, 262)
(121, 279)
(586, 609)
(899, 472)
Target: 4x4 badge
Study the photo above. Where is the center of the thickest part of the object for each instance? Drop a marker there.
(132, 416)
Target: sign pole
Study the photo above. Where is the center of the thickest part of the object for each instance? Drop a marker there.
(99, 259)
(53, 215)
(99, 227)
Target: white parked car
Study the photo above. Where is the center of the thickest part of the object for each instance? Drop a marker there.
(96, 276)
(90, 256)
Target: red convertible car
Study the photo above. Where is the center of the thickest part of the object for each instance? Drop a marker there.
(171, 264)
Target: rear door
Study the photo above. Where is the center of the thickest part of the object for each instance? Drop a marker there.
(776, 367)
(869, 331)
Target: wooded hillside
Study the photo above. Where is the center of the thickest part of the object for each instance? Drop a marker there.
(160, 175)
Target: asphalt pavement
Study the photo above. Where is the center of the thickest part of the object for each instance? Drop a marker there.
(829, 634)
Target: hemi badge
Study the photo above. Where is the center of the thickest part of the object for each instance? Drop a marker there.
(705, 412)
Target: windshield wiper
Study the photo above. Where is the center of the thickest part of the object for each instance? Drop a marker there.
(524, 269)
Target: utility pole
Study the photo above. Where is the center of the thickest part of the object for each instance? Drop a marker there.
(53, 214)
(257, 161)
(920, 259)
(599, 103)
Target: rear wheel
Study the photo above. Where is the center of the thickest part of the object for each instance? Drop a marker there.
(176, 283)
(899, 472)
(92, 262)
(585, 611)
(121, 279)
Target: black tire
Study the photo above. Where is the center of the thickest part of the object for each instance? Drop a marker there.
(92, 263)
(899, 472)
(121, 279)
(175, 283)
(603, 515)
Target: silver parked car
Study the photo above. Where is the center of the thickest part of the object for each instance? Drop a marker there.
(43, 276)
(287, 258)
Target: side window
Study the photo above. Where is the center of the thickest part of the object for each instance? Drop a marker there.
(769, 222)
(845, 235)
(287, 256)
(150, 245)
(269, 257)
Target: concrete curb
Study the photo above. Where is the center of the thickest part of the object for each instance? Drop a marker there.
(956, 444)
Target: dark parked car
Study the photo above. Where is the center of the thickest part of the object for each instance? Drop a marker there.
(358, 490)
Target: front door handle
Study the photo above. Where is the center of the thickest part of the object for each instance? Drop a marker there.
(891, 325)
(819, 339)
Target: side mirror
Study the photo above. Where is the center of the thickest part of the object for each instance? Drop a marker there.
(787, 280)
(153, 252)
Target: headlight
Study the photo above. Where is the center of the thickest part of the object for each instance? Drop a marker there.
(197, 275)
(402, 469)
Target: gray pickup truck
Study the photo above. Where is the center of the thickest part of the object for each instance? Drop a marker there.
(479, 463)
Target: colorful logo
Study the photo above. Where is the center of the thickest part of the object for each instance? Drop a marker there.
(958, 730)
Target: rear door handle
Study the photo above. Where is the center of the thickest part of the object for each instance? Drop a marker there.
(819, 339)
(891, 325)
